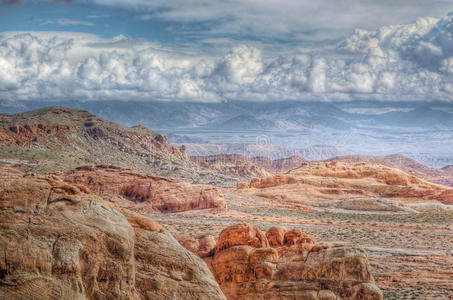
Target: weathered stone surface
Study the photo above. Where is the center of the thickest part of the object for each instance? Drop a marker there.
(58, 242)
(320, 182)
(289, 266)
(145, 193)
(241, 234)
(276, 236)
(203, 246)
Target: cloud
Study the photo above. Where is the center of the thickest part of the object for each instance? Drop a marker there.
(68, 22)
(401, 62)
(289, 20)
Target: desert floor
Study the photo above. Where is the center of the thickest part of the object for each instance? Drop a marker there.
(411, 253)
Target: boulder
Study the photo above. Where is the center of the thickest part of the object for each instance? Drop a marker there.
(276, 236)
(241, 234)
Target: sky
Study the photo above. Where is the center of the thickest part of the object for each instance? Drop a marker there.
(219, 50)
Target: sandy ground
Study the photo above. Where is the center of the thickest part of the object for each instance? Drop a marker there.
(411, 253)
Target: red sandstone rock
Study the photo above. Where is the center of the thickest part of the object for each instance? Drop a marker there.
(446, 197)
(297, 237)
(58, 242)
(270, 181)
(247, 267)
(241, 234)
(242, 185)
(276, 236)
(145, 193)
(25, 135)
(203, 246)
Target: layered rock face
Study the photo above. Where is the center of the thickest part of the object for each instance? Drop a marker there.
(233, 164)
(57, 241)
(406, 164)
(316, 182)
(143, 192)
(245, 167)
(287, 264)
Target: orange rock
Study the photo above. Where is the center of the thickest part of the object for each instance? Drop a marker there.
(204, 246)
(270, 181)
(242, 185)
(246, 267)
(60, 243)
(446, 197)
(319, 182)
(297, 237)
(145, 193)
(276, 236)
(241, 234)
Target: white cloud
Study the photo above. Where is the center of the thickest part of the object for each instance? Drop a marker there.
(68, 22)
(288, 19)
(413, 61)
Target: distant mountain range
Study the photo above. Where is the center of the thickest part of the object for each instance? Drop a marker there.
(419, 130)
(245, 115)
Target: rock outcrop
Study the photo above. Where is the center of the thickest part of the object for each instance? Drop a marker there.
(145, 193)
(247, 168)
(316, 182)
(287, 264)
(57, 241)
(203, 246)
(441, 176)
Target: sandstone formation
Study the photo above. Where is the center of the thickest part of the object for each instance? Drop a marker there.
(233, 164)
(145, 193)
(58, 241)
(317, 152)
(286, 264)
(318, 182)
(245, 167)
(406, 164)
(203, 246)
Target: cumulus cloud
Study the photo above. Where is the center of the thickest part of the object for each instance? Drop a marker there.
(413, 61)
(293, 20)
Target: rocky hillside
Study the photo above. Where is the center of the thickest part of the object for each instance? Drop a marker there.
(247, 168)
(317, 152)
(408, 165)
(318, 182)
(58, 241)
(61, 138)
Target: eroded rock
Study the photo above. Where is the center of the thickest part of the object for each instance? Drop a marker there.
(289, 266)
(58, 242)
(145, 193)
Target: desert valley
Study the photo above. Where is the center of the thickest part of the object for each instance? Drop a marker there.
(226, 150)
(93, 209)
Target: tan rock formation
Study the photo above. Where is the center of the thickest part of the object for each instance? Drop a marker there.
(289, 266)
(246, 167)
(203, 246)
(318, 182)
(58, 242)
(145, 193)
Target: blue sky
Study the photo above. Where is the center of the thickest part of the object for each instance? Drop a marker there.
(199, 50)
